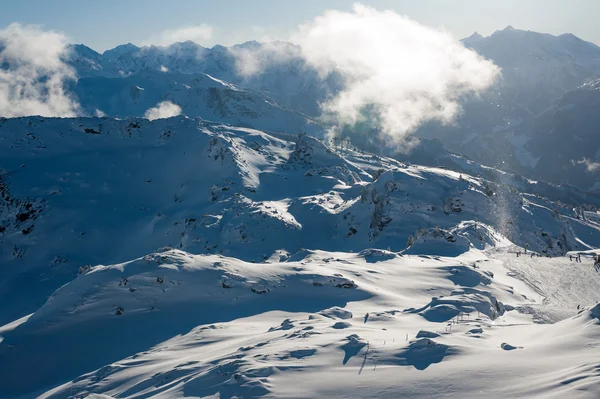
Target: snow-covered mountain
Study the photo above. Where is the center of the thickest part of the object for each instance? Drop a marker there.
(287, 80)
(232, 251)
(496, 129)
(563, 141)
(181, 257)
(537, 70)
(198, 95)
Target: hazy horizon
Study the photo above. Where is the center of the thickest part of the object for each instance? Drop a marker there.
(234, 21)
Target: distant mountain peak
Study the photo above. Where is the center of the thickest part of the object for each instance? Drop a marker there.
(475, 37)
(122, 49)
(508, 28)
(127, 45)
(187, 43)
(83, 49)
(251, 44)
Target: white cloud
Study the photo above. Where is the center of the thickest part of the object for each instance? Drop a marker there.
(402, 72)
(252, 60)
(408, 72)
(35, 75)
(199, 34)
(164, 109)
(164, 68)
(590, 165)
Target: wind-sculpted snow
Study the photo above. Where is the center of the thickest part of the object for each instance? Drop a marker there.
(181, 257)
(174, 324)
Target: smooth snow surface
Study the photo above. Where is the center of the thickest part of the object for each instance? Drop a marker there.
(183, 258)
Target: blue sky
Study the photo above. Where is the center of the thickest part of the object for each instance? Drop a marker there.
(103, 24)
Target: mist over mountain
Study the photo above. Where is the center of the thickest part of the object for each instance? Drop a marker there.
(341, 217)
(498, 128)
(537, 71)
(290, 82)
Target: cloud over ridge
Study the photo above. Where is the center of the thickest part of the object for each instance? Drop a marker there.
(410, 73)
(397, 73)
(164, 109)
(33, 74)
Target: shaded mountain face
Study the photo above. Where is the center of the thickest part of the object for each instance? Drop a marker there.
(559, 146)
(565, 139)
(537, 70)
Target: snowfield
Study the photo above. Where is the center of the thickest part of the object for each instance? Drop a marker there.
(185, 258)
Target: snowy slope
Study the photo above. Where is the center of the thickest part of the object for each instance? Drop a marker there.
(173, 324)
(198, 95)
(292, 262)
(129, 187)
